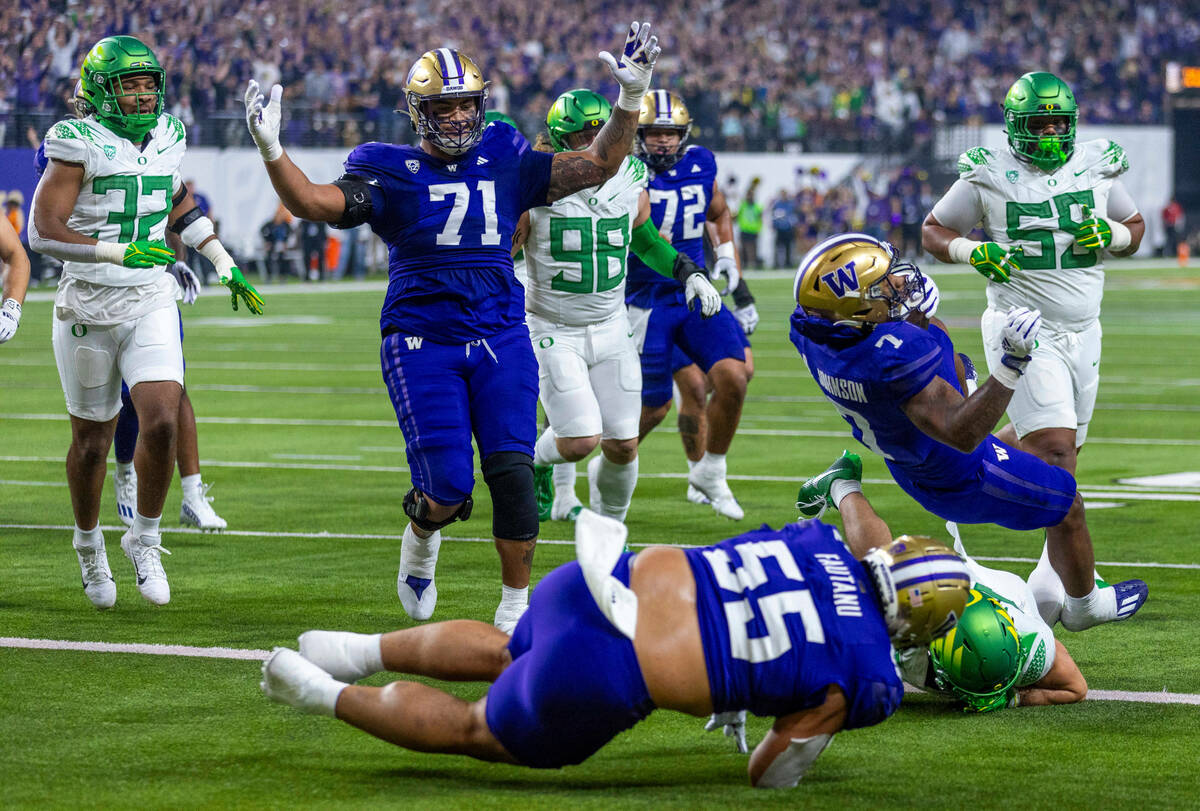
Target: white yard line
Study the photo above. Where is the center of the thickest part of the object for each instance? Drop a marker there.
(253, 654)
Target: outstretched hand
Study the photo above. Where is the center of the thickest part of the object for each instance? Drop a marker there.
(263, 120)
(240, 288)
(635, 67)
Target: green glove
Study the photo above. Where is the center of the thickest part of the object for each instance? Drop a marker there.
(145, 253)
(995, 262)
(1094, 233)
(238, 286)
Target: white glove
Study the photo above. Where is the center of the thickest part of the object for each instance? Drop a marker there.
(264, 121)
(10, 319)
(188, 281)
(726, 266)
(636, 65)
(699, 287)
(748, 317)
(929, 302)
(1018, 339)
(734, 724)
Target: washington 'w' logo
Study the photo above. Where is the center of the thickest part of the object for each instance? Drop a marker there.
(843, 280)
(413, 341)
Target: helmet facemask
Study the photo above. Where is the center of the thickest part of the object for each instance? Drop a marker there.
(1047, 152)
(661, 161)
(451, 137)
(106, 77)
(446, 75)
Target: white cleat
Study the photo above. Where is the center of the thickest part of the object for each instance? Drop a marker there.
(198, 512)
(339, 653)
(696, 497)
(126, 489)
(566, 507)
(146, 555)
(414, 581)
(289, 678)
(716, 489)
(98, 582)
(507, 616)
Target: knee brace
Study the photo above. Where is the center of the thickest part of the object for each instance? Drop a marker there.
(509, 477)
(417, 509)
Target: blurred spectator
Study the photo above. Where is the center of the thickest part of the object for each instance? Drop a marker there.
(783, 221)
(1174, 225)
(312, 249)
(277, 235)
(749, 223)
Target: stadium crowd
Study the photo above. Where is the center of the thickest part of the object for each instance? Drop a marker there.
(862, 75)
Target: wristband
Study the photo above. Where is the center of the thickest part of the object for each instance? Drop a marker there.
(1121, 238)
(1006, 376)
(725, 250)
(960, 249)
(631, 104)
(113, 252)
(215, 252)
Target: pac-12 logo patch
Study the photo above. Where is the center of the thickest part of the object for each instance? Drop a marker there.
(413, 165)
(1011, 174)
(842, 281)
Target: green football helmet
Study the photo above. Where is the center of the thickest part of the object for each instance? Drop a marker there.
(107, 65)
(496, 115)
(979, 660)
(577, 110)
(1034, 95)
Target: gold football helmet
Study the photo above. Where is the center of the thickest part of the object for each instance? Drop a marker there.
(662, 109)
(445, 74)
(859, 279)
(923, 587)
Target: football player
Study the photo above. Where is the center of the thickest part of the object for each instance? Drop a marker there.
(456, 352)
(684, 195)
(590, 379)
(1051, 208)
(1002, 653)
(15, 264)
(111, 189)
(900, 387)
(195, 508)
(784, 623)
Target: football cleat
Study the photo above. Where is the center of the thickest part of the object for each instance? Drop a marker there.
(1118, 602)
(126, 489)
(709, 480)
(98, 582)
(543, 487)
(289, 678)
(145, 553)
(338, 653)
(414, 581)
(198, 512)
(813, 499)
(696, 497)
(507, 616)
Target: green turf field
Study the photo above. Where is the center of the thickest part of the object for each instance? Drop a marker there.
(298, 436)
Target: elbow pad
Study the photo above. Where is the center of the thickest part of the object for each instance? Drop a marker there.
(359, 205)
(193, 228)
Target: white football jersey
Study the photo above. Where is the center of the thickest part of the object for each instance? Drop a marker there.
(577, 249)
(126, 193)
(1019, 204)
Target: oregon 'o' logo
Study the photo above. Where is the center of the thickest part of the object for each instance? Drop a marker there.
(141, 160)
(79, 330)
(546, 343)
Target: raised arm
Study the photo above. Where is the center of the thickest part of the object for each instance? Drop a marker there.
(572, 171)
(318, 202)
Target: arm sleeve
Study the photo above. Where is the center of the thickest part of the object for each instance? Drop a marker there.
(960, 208)
(1120, 204)
(651, 248)
(742, 297)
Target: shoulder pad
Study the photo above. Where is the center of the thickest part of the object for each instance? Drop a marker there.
(68, 141)
(635, 170)
(971, 161)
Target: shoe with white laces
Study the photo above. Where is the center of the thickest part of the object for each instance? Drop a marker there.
(289, 678)
(126, 489)
(709, 479)
(414, 581)
(508, 615)
(696, 497)
(146, 555)
(814, 498)
(197, 511)
(346, 656)
(98, 582)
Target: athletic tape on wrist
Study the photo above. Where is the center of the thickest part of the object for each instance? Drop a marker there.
(960, 249)
(1121, 236)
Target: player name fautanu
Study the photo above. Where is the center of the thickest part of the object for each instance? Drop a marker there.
(842, 388)
(845, 586)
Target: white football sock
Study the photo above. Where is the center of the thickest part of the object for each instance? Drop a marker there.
(1047, 588)
(193, 488)
(512, 598)
(842, 488)
(418, 556)
(1099, 606)
(714, 462)
(125, 468)
(143, 526)
(85, 538)
(545, 450)
(616, 483)
(564, 479)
